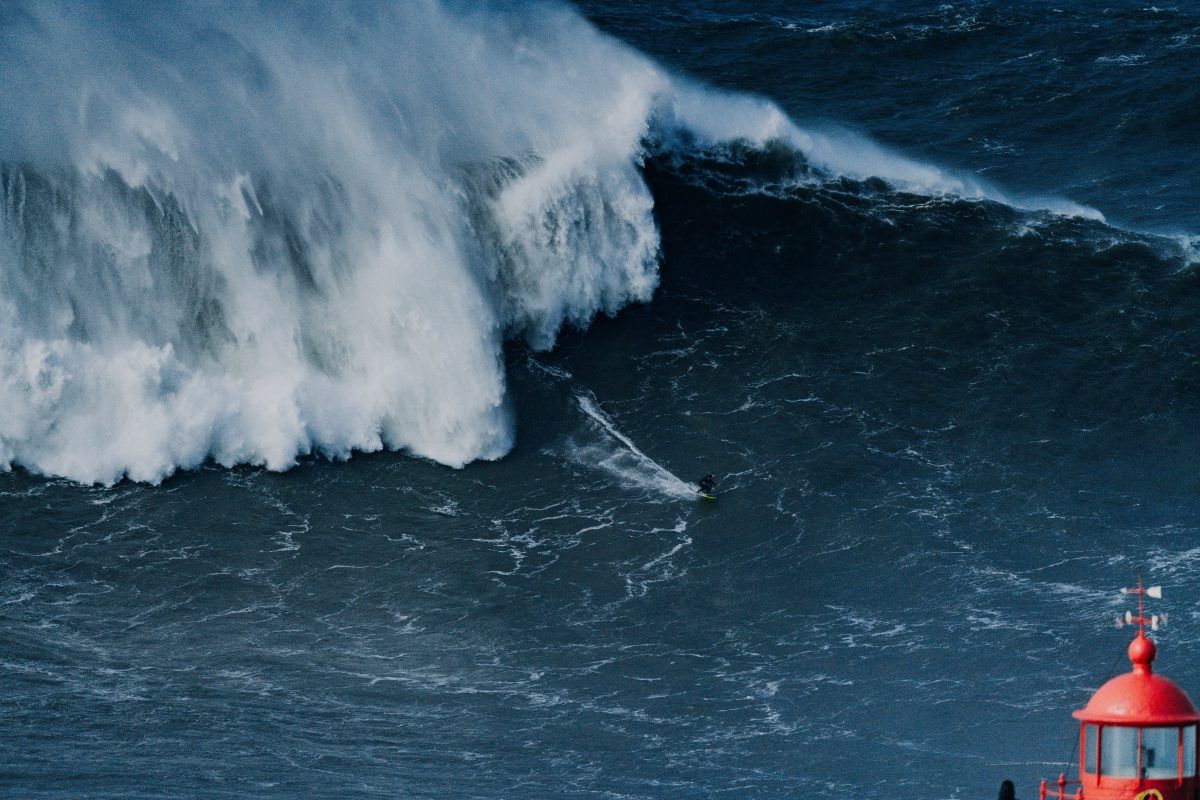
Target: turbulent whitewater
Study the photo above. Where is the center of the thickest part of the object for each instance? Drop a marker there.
(248, 236)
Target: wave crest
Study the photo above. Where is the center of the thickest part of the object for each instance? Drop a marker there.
(247, 235)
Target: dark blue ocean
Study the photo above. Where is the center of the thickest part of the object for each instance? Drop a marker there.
(357, 364)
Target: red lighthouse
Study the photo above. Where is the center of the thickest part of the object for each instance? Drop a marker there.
(1137, 738)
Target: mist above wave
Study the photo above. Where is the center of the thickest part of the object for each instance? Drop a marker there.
(247, 235)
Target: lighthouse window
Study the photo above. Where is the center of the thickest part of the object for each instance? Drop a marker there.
(1120, 757)
(1160, 753)
(1189, 751)
(1091, 744)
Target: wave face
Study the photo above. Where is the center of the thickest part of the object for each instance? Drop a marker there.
(243, 235)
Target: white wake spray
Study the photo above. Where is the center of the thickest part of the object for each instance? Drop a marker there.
(247, 235)
(626, 461)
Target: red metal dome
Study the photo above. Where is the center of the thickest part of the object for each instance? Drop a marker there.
(1139, 697)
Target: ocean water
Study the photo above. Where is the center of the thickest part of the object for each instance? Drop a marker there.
(357, 363)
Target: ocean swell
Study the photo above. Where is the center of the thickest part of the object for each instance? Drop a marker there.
(246, 235)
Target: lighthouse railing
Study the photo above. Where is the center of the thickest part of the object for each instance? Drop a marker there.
(1061, 792)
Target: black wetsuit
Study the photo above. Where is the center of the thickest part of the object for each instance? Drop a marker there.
(708, 484)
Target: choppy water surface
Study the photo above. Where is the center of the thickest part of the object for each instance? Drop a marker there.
(945, 366)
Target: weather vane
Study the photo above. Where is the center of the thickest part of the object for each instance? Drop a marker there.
(1155, 620)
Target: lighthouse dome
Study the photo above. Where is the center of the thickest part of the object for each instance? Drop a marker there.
(1139, 697)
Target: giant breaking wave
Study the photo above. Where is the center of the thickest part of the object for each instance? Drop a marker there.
(247, 235)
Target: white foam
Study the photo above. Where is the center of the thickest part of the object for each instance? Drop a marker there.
(227, 241)
(1189, 249)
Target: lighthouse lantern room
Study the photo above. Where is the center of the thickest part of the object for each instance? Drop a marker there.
(1137, 738)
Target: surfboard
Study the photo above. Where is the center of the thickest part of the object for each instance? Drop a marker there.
(707, 496)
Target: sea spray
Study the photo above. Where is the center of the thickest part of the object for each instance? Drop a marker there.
(245, 238)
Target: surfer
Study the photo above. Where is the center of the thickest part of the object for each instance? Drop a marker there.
(708, 484)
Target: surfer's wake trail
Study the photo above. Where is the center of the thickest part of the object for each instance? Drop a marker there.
(222, 239)
(627, 462)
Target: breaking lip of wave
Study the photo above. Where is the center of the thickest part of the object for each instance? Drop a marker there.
(222, 239)
(704, 120)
